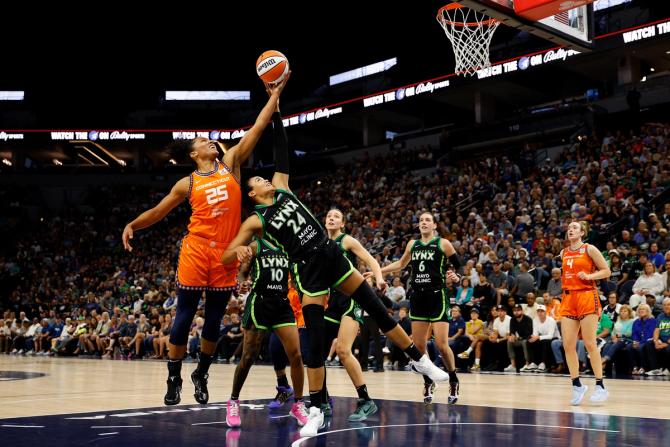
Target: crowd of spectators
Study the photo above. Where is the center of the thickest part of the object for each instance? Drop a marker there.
(68, 288)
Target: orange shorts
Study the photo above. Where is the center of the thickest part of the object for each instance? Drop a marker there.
(200, 268)
(579, 303)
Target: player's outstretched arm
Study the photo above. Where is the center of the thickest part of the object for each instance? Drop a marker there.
(238, 248)
(352, 244)
(177, 195)
(280, 142)
(239, 153)
(400, 263)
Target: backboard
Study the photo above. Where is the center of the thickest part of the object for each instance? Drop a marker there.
(572, 28)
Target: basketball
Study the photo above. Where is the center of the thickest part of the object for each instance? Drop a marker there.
(272, 66)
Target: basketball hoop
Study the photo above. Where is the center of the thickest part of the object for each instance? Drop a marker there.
(470, 33)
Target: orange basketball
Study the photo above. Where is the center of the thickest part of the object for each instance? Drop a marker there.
(272, 66)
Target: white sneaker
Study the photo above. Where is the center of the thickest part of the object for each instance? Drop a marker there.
(541, 368)
(655, 372)
(578, 393)
(314, 423)
(599, 395)
(529, 368)
(510, 368)
(20, 352)
(385, 350)
(425, 366)
(666, 372)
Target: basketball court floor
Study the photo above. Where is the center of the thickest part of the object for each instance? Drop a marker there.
(92, 402)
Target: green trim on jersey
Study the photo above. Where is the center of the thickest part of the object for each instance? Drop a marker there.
(436, 273)
(339, 240)
(417, 318)
(264, 234)
(302, 289)
(267, 245)
(350, 312)
(444, 308)
(304, 216)
(257, 267)
(249, 312)
(277, 326)
(274, 200)
(253, 315)
(426, 244)
(346, 275)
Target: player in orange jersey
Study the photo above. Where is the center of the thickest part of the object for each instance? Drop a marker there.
(213, 191)
(582, 265)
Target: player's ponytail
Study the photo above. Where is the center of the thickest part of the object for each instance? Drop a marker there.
(585, 227)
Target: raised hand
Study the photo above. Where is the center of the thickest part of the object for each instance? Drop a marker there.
(126, 237)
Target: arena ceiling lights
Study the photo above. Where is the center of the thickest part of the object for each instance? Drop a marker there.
(12, 95)
(362, 72)
(207, 95)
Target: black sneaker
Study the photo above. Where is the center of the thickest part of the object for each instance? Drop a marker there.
(173, 395)
(200, 381)
(428, 392)
(453, 392)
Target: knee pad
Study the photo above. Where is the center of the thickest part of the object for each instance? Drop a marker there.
(316, 325)
(370, 303)
(187, 304)
(215, 307)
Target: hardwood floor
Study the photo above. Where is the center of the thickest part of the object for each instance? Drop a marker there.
(82, 385)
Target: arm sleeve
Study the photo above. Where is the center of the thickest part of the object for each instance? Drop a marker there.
(455, 261)
(280, 144)
(387, 302)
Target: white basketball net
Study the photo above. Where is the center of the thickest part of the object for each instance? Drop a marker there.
(470, 33)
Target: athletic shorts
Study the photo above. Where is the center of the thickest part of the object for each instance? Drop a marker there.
(267, 312)
(429, 306)
(200, 268)
(325, 269)
(577, 304)
(339, 306)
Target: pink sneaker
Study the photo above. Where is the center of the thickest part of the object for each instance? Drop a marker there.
(233, 414)
(299, 412)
